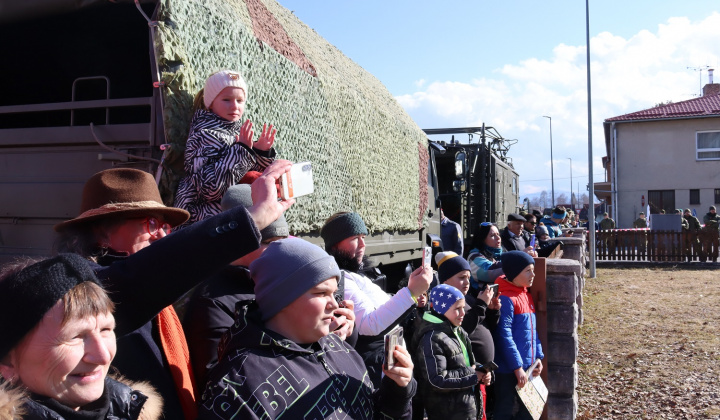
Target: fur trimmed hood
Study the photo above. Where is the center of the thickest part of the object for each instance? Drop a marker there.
(14, 400)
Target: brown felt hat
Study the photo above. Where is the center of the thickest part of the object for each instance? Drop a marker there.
(122, 192)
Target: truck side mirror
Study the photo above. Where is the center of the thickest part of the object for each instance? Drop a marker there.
(460, 165)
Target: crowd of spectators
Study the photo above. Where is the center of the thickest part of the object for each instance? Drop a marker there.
(211, 310)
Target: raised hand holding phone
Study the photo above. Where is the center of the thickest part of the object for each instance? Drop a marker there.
(297, 182)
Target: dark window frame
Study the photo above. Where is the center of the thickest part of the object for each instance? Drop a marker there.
(661, 200)
(694, 196)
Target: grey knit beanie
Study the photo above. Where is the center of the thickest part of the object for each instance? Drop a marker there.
(241, 195)
(341, 227)
(286, 270)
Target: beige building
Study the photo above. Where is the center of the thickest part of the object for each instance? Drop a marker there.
(667, 157)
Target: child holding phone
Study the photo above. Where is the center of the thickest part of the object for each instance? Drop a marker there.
(445, 368)
(516, 339)
(220, 149)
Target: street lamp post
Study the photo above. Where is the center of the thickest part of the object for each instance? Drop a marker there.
(552, 175)
(571, 192)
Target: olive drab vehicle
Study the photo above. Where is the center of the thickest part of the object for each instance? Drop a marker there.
(476, 181)
(92, 85)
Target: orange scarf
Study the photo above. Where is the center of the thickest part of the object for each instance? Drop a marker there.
(177, 354)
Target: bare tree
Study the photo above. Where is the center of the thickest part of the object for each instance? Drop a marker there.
(561, 199)
(584, 198)
(543, 200)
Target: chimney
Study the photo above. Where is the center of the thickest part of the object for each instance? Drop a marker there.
(711, 88)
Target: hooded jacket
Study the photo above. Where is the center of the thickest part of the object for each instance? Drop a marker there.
(122, 400)
(516, 338)
(214, 161)
(445, 379)
(261, 374)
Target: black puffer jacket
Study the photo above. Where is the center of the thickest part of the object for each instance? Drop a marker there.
(445, 381)
(120, 401)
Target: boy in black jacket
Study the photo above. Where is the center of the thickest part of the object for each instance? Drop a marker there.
(445, 364)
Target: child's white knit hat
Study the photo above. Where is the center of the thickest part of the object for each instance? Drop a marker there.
(219, 81)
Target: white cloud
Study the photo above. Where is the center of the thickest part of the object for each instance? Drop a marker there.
(420, 83)
(628, 75)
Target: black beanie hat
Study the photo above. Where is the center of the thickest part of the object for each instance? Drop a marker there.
(514, 262)
(28, 295)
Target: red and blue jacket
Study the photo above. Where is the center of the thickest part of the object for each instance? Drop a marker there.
(516, 338)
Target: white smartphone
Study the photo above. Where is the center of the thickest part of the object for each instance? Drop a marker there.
(297, 182)
(427, 256)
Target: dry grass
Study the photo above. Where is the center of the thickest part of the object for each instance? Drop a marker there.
(650, 345)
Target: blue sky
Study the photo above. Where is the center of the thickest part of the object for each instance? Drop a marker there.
(462, 63)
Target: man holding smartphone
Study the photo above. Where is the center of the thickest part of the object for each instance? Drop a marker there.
(376, 312)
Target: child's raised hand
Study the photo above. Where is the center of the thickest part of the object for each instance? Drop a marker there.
(267, 137)
(246, 134)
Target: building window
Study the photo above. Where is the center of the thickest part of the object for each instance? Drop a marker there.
(694, 196)
(717, 195)
(708, 145)
(661, 200)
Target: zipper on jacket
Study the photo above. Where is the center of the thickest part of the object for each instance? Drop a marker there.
(325, 365)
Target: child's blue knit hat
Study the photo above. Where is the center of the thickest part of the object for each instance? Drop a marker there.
(443, 297)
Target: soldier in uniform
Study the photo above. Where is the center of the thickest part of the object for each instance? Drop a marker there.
(692, 241)
(711, 234)
(640, 222)
(607, 222)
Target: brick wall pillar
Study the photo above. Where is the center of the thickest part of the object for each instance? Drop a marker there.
(562, 288)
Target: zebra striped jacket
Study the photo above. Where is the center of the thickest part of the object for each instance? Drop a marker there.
(214, 161)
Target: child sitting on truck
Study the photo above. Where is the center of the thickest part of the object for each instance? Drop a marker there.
(445, 366)
(219, 149)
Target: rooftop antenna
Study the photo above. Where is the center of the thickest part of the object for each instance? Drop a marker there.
(700, 70)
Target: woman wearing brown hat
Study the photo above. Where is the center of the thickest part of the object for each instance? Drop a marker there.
(121, 216)
(58, 341)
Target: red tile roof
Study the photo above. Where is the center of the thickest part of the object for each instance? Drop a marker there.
(698, 107)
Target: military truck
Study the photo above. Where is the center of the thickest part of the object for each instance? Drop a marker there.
(476, 180)
(92, 85)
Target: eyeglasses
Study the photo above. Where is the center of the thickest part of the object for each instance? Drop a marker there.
(533, 223)
(153, 226)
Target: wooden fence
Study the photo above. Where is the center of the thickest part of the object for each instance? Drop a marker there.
(647, 245)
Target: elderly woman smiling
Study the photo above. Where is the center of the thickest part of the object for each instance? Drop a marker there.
(58, 341)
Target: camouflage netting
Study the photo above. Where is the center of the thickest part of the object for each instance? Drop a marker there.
(327, 109)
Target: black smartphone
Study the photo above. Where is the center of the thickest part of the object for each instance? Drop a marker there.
(340, 292)
(487, 367)
(494, 288)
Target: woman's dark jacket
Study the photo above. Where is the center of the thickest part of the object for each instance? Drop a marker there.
(144, 283)
(479, 322)
(261, 374)
(445, 381)
(119, 401)
(210, 312)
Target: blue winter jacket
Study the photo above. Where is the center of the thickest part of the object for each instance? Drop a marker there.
(516, 338)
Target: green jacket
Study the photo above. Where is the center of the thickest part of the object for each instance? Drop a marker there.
(640, 223)
(607, 224)
(693, 223)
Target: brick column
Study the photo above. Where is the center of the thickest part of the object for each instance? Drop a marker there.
(562, 287)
